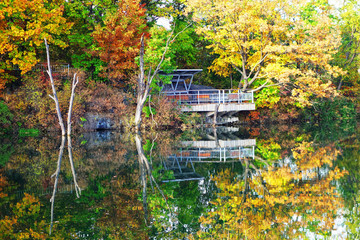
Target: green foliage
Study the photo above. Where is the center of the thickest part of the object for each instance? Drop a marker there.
(267, 97)
(28, 132)
(347, 56)
(184, 48)
(149, 146)
(337, 111)
(268, 150)
(337, 116)
(148, 111)
(86, 15)
(5, 115)
(191, 119)
(6, 150)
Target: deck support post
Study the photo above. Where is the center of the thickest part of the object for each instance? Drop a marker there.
(215, 113)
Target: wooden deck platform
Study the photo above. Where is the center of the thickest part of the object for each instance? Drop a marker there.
(222, 107)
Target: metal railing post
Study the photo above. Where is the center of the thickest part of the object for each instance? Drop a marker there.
(219, 95)
(223, 96)
(252, 97)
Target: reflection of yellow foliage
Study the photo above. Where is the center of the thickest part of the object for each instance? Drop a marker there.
(22, 225)
(281, 201)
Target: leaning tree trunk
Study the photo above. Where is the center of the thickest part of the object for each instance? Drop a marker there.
(55, 98)
(144, 82)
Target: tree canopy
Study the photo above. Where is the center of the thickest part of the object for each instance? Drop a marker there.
(272, 43)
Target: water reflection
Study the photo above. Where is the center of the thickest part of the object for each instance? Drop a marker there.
(220, 184)
(289, 198)
(210, 149)
(56, 175)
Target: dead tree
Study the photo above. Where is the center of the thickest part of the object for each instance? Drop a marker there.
(145, 80)
(55, 98)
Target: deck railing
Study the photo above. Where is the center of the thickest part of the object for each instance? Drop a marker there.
(218, 154)
(210, 96)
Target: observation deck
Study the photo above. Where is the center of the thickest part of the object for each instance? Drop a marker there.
(204, 99)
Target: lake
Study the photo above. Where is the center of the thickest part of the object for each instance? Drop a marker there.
(274, 182)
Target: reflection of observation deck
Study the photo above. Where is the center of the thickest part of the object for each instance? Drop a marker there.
(195, 98)
(220, 151)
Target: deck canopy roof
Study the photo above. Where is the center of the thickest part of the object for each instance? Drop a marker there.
(179, 77)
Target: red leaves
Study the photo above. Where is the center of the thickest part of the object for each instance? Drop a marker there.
(119, 39)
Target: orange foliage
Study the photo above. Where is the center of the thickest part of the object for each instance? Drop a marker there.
(3, 184)
(119, 40)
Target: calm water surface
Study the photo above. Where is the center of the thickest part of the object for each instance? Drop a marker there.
(278, 182)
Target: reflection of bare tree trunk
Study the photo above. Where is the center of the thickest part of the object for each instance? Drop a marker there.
(77, 188)
(56, 175)
(144, 170)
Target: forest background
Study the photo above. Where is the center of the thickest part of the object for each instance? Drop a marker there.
(301, 58)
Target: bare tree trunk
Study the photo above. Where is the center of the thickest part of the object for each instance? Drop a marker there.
(74, 83)
(144, 81)
(54, 97)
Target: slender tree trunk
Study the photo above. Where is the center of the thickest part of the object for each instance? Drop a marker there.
(144, 82)
(74, 83)
(54, 97)
(56, 175)
(139, 108)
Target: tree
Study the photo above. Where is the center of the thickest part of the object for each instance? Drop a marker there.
(23, 27)
(145, 82)
(348, 55)
(286, 200)
(55, 98)
(119, 39)
(272, 43)
(86, 15)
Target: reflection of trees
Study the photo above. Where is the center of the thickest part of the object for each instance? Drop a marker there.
(163, 213)
(56, 175)
(287, 199)
(350, 184)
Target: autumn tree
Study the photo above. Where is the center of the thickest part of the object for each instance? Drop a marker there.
(278, 201)
(348, 56)
(119, 39)
(272, 44)
(23, 27)
(86, 15)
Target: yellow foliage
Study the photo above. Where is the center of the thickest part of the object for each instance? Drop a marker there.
(273, 41)
(281, 200)
(35, 20)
